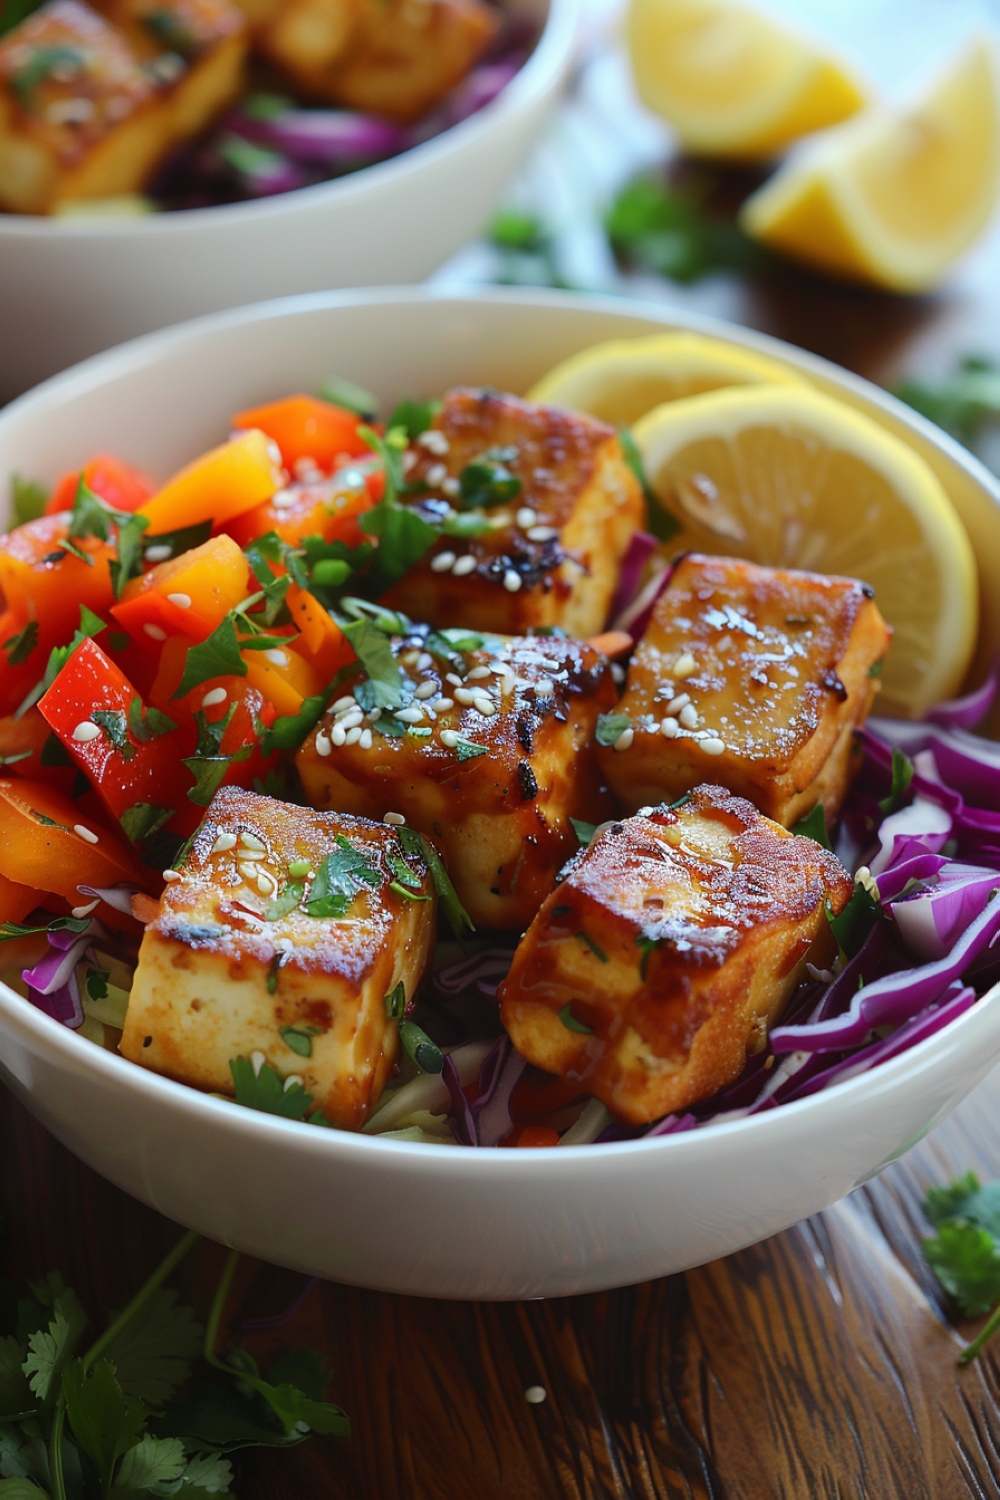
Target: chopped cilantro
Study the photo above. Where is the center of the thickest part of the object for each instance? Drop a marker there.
(28, 497)
(299, 1038)
(384, 685)
(416, 844)
(287, 899)
(584, 831)
(875, 670)
(115, 727)
(128, 563)
(902, 775)
(289, 731)
(341, 875)
(468, 749)
(571, 1023)
(266, 1091)
(488, 481)
(143, 819)
(185, 539)
(610, 728)
(414, 416)
(419, 1048)
(341, 392)
(10, 930)
(40, 65)
(813, 826)
(209, 772)
(666, 230)
(402, 872)
(216, 656)
(661, 522)
(146, 724)
(965, 1253)
(647, 944)
(20, 646)
(852, 926)
(90, 625)
(963, 404)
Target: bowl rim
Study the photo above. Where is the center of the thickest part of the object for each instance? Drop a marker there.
(541, 72)
(41, 1034)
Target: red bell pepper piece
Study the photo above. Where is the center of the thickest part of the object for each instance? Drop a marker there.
(123, 487)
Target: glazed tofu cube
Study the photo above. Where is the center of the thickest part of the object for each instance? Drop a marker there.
(282, 937)
(195, 49)
(79, 117)
(658, 966)
(406, 55)
(490, 755)
(304, 38)
(753, 677)
(557, 517)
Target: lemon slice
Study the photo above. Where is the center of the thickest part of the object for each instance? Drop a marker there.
(892, 198)
(621, 380)
(731, 82)
(789, 478)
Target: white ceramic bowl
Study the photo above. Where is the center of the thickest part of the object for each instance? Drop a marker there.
(70, 287)
(434, 1220)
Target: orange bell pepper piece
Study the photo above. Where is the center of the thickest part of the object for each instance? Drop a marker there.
(40, 845)
(118, 483)
(190, 594)
(17, 680)
(328, 509)
(16, 900)
(26, 737)
(321, 641)
(220, 484)
(306, 428)
(286, 683)
(42, 582)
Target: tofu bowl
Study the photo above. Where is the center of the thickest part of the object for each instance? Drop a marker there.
(74, 285)
(400, 1215)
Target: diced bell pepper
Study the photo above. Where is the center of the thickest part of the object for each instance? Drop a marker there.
(232, 478)
(40, 846)
(306, 428)
(119, 484)
(329, 508)
(188, 595)
(40, 581)
(283, 678)
(16, 900)
(28, 736)
(321, 641)
(16, 681)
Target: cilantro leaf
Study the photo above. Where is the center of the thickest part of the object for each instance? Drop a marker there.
(852, 926)
(339, 879)
(415, 843)
(185, 539)
(216, 656)
(58, 924)
(104, 1420)
(214, 1417)
(963, 404)
(15, 1392)
(414, 416)
(128, 563)
(50, 1350)
(289, 731)
(28, 497)
(344, 393)
(610, 728)
(90, 516)
(20, 1488)
(902, 775)
(468, 749)
(147, 724)
(266, 1091)
(20, 646)
(292, 1407)
(584, 831)
(965, 1259)
(142, 819)
(384, 688)
(666, 230)
(152, 1461)
(209, 772)
(966, 1199)
(288, 898)
(488, 481)
(813, 826)
(404, 536)
(115, 726)
(90, 625)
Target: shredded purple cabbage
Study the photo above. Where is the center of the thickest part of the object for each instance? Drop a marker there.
(639, 550)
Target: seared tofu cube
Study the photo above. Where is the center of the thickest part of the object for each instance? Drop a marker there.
(195, 49)
(490, 754)
(557, 505)
(304, 38)
(753, 677)
(406, 55)
(669, 950)
(282, 937)
(79, 116)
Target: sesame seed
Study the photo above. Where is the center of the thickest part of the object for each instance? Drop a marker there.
(396, 820)
(425, 661)
(442, 562)
(338, 734)
(251, 856)
(223, 842)
(294, 1080)
(350, 720)
(85, 833)
(257, 1061)
(453, 678)
(169, 875)
(409, 715)
(158, 554)
(464, 565)
(542, 534)
(305, 467)
(434, 441)
(685, 666)
(274, 453)
(278, 658)
(544, 688)
(409, 460)
(712, 746)
(478, 673)
(436, 474)
(688, 716)
(348, 701)
(535, 1394)
(70, 111)
(283, 500)
(669, 727)
(625, 739)
(451, 487)
(441, 705)
(511, 581)
(251, 841)
(617, 672)
(676, 704)
(426, 690)
(484, 705)
(84, 911)
(525, 517)
(323, 744)
(353, 735)
(214, 696)
(248, 871)
(464, 695)
(266, 884)
(85, 731)
(449, 737)
(183, 601)
(154, 632)
(365, 740)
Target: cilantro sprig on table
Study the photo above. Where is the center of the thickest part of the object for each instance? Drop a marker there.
(137, 1413)
(965, 1253)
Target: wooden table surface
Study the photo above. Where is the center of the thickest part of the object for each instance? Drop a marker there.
(821, 1363)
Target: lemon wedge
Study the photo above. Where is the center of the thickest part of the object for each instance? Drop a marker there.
(892, 198)
(787, 477)
(619, 381)
(731, 82)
